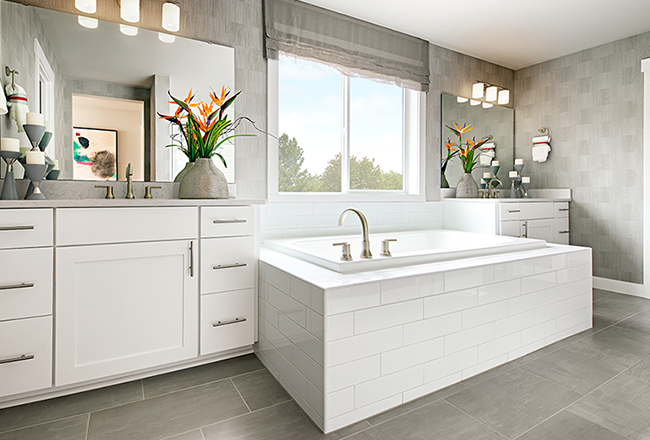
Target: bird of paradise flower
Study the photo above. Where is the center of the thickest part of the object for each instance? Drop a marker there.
(469, 152)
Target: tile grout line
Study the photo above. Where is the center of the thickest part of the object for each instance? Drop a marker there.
(245, 414)
(87, 427)
(142, 387)
(44, 423)
(474, 418)
(240, 396)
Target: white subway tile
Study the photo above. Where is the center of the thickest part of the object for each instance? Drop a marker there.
(499, 291)
(559, 262)
(347, 299)
(527, 302)
(353, 373)
(516, 354)
(393, 218)
(293, 377)
(339, 326)
(276, 338)
(514, 323)
(579, 302)
(431, 206)
(467, 278)
(483, 314)
(387, 316)
(499, 347)
(283, 222)
(268, 312)
(448, 365)
(275, 277)
(484, 366)
(263, 289)
(288, 306)
(573, 319)
(339, 403)
(303, 232)
(307, 367)
(315, 324)
(450, 302)
(284, 209)
(311, 221)
(387, 386)
(574, 273)
(580, 258)
(358, 347)
(551, 311)
(402, 289)
(420, 217)
(584, 286)
(537, 333)
(315, 399)
(412, 355)
(543, 264)
(302, 338)
(270, 234)
(334, 423)
(561, 292)
(431, 328)
(514, 269)
(538, 282)
(432, 386)
(309, 295)
(465, 339)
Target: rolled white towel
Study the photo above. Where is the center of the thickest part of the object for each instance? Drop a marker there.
(540, 152)
(541, 139)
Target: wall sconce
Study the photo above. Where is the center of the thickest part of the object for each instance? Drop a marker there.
(131, 31)
(171, 17)
(477, 90)
(460, 100)
(88, 22)
(492, 92)
(474, 102)
(87, 6)
(487, 105)
(130, 10)
(504, 97)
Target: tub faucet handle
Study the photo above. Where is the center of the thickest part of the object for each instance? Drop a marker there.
(346, 251)
(385, 250)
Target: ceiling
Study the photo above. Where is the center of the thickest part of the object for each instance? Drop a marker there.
(511, 33)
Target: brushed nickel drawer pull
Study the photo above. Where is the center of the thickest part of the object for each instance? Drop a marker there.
(236, 220)
(17, 286)
(510, 211)
(191, 258)
(564, 232)
(563, 209)
(228, 266)
(232, 321)
(23, 357)
(16, 228)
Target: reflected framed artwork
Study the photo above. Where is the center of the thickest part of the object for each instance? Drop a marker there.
(94, 153)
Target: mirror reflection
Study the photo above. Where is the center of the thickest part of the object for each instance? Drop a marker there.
(496, 121)
(100, 87)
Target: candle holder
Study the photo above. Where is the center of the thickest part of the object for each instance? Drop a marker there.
(42, 145)
(35, 172)
(9, 191)
(513, 188)
(34, 134)
(526, 187)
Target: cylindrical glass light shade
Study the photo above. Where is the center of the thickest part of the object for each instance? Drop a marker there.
(487, 105)
(474, 102)
(166, 38)
(131, 31)
(477, 90)
(87, 6)
(130, 10)
(504, 97)
(171, 17)
(491, 93)
(87, 22)
(460, 99)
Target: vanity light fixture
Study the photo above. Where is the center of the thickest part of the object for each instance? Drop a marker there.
(474, 102)
(504, 97)
(477, 90)
(491, 93)
(460, 99)
(171, 17)
(487, 105)
(130, 10)
(88, 22)
(166, 38)
(131, 31)
(87, 6)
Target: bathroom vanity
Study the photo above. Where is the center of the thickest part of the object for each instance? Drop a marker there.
(97, 292)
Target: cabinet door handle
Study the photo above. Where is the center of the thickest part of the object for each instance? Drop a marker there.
(512, 211)
(525, 226)
(17, 286)
(564, 232)
(16, 228)
(228, 266)
(563, 209)
(232, 321)
(235, 220)
(23, 357)
(191, 258)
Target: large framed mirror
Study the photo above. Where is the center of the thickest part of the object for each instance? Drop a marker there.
(103, 79)
(497, 121)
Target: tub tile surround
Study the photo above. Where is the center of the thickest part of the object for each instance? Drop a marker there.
(391, 336)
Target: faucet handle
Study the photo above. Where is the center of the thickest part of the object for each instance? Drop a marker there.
(385, 250)
(147, 191)
(109, 191)
(346, 251)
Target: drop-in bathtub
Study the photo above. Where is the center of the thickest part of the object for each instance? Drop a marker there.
(411, 248)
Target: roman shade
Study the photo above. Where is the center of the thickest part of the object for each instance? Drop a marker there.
(352, 46)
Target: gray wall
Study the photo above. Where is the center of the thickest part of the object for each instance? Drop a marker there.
(592, 101)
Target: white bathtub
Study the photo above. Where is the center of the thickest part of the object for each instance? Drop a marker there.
(411, 248)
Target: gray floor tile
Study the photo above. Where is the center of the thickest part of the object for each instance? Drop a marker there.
(641, 371)
(620, 307)
(260, 389)
(487, 375)
(66, 406)
(513, 402)
(417, 403)
(168, 415)
(639, 322)
(179, 380)
(72, 428)
(439, 421)
(622, 405)
(553, 347)
(567, 426)
(577, 368)
(193, 435)
(628, 345)
(602, 294)
(285, 421)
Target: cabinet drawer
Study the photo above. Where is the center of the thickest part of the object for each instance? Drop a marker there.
(81, 226)
(227, 264)
(532, 211)
(227, 320)
(511, 228)
(509, 211)
(224, 221)
(25, 228)
(25, 283)
(25, 355)
(561, 209)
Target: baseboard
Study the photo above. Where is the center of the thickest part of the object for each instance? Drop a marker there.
(620, 287)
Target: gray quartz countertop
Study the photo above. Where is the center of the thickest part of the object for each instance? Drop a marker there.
(133, 203)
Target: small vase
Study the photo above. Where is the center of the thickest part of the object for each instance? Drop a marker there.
(443, 181)
(467, 187)
(203, 181)
(182, 173)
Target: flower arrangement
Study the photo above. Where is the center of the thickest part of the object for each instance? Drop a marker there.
(205, 133)
(469, 152)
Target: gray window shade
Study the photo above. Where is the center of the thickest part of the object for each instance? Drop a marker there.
(353, 46)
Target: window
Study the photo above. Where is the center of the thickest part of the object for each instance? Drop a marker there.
(341, 135)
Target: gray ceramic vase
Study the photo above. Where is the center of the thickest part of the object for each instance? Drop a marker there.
(203, 181)
(467, 187)
(180, 175)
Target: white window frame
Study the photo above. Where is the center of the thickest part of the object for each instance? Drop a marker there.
(414, 124)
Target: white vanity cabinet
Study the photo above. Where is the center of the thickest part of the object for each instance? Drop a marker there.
(25, 300)
(227, 278)
(127, 290)
(545, 220)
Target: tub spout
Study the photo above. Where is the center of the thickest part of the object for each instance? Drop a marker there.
(365, 253)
